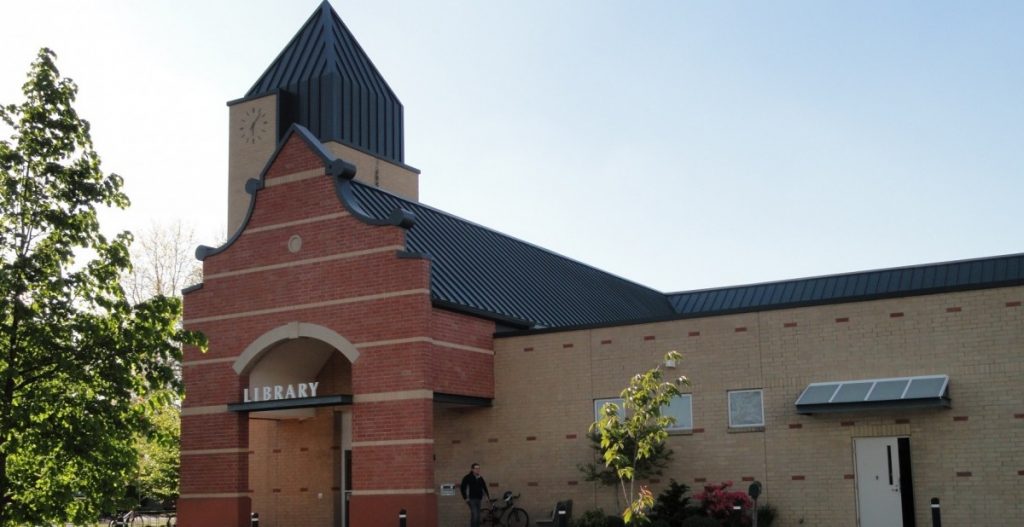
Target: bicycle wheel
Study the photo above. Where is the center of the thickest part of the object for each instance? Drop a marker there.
(137, 520)
(517, 518)
(488, 518)
(172, 521)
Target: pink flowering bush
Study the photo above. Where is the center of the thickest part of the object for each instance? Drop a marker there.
(717, 501)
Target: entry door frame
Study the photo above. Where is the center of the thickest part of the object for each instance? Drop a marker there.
(345, 422)
(900, 471)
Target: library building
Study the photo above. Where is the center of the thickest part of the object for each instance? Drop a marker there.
(366, 348)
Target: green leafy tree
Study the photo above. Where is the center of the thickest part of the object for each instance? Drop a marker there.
(163, 263)
(80, 366)
(631, 435)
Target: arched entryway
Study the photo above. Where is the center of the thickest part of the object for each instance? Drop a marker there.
(298, 397)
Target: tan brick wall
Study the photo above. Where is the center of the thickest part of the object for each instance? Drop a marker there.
(376, 172)
(970, 456)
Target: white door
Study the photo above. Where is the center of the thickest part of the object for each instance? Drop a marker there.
(878, 482)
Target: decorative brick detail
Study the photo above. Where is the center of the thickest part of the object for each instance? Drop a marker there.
(699, 480)
(572, 483)
(276, 451)
(654, 480)
(960, 417)
(847, 423)
(693, 334)
(903, 421)
(275, 490)
(963, 474)
(795, 426)
(570, 436)
(847, 476)
(335, 489)
(531, 438)
(1020, 472)
(799, 477)
(740, 329)
(493, 484)
(698, 430)
(528, 349)
(747, 478)
(567, 345)
(898, 314)
(648, 337)
(842, 320)
(335, 447)
(1018, 416)
(303, 489)
(456, 441)
(492, 440)
(532, 484)
(606, 341)
(956, 309)
(1015, 303)
(304, 449)
(789, 325)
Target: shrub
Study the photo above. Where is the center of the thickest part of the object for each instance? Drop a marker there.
(766, 515)
(717, 501)
(700, 521)
(672, 505)
(591, 518)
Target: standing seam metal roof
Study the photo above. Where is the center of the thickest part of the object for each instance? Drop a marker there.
(977, 273)
(331, 87)
(489, 272)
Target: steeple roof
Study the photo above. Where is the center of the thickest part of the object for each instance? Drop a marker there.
(329, 85)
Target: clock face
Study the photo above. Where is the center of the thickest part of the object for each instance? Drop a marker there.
(253, 126)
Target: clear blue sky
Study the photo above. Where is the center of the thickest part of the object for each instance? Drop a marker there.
(679, 144)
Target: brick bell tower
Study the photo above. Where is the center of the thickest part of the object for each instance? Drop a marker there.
(315, 403)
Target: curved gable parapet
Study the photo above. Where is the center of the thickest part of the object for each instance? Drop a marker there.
(333, 166)
(398, 216)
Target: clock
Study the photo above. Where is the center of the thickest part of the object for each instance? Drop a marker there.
(253, 125)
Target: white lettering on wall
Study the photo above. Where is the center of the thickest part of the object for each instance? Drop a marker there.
(279, 392)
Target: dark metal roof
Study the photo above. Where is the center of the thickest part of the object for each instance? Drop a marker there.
(328, 85)
(998, 271)
(481, 271)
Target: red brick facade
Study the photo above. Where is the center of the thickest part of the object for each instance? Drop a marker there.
(347, 277)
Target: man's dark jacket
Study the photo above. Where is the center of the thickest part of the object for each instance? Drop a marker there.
(473, 488)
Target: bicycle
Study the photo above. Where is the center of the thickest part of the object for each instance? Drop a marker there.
(128, 519)
(504, 513)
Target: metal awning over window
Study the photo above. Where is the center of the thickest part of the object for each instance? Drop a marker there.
(928, 391)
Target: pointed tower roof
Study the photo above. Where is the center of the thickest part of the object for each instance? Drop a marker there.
(331, 87)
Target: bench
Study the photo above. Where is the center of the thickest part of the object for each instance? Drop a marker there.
(560, 506)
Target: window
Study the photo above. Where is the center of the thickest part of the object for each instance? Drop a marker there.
(681, 407)
(598, 403)
(746, 409)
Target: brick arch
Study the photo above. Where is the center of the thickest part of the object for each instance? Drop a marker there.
(292, 330)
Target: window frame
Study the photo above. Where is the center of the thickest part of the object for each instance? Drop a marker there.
(760, 392)
(598, 403)
(675, 427)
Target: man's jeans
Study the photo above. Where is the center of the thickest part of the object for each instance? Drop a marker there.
(474, 513)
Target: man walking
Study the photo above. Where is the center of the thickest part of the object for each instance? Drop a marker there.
(474, 488)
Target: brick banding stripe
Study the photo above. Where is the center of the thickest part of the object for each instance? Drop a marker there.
(789, 325)
(740, 329)
(308, 261)
(798, 478)
(568, 345)
(795, 426)
(1020, 472)
(747, 478)
(898, 314)
(698, 430)
(606, 341)
(953, 309)
(699, 480)
(1018, 416)
(531, 438)
(1013, 304)
(960, 417)
(693, 334)
(314, 305)
(649, 337)
(570, 436)
(963, 474)
(840, 320)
